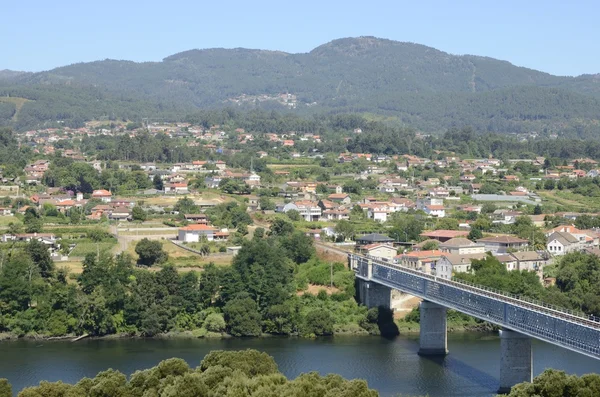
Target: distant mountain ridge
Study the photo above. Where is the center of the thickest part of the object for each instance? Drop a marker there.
(417, 85)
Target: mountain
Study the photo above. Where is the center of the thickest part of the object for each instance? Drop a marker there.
(414, 84)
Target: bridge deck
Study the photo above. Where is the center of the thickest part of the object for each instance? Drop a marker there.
(558, 326)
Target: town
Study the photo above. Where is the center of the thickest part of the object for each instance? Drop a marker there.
(435, 215)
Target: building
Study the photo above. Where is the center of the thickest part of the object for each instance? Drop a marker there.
(462, 246)
(503, 244)
(176, 188)
(373, 238)
(560, 243)
(196, 218)
(341, 198)
(453, 263)
(309, 210)
(529, 260)
(444, 235)
(382, 251)
(103, 195)
(193, 233)
(424, 261)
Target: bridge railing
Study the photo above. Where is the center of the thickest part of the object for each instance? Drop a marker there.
(573, 315)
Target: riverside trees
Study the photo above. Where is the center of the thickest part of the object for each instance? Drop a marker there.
(256, 294)
(221, 373)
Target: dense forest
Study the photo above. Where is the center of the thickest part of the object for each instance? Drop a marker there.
(411, 84)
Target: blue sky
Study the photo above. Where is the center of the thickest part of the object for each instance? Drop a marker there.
(558, 37)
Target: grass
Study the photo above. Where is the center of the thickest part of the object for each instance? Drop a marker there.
(5, 220)
(19, 102)
(148, 232)
(84, 248)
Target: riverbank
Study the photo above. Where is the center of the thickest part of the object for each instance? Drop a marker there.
(404, 327)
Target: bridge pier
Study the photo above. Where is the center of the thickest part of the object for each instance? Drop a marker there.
(516, 360)
(373, 294)
(433, 338)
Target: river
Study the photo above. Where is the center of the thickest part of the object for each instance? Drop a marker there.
(390, 366)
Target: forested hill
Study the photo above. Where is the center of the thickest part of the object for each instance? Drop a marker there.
(416, 85)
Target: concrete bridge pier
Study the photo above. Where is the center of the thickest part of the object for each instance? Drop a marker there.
(516, 361)
(433, 338)
(372, 294)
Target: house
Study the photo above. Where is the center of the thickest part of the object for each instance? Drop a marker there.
(193, 233)
(454, 263)
(120, 213)
(509, 261)
(424, 261)
(560, 243)
(103, 195)
(462, 246)
(502, 244)
(314, 233)
(529, 260)
(176, 188)
(382, 251)
(341, 198)
(444, 235)
(373, 238)
(378, 214)
(436, 211)
(309, 210)
(196, 218)
(336, 214)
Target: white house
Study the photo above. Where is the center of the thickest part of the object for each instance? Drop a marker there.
(454, 263)
(381, 251)
(103, 195)
(176, 188)
(193, 233)
(309, 210)
(560, 243)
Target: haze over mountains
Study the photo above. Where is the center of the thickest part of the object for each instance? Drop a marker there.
(407, 83)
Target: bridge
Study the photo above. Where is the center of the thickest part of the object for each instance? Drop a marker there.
(521, 319)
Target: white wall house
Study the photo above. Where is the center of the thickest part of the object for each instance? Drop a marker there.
(193, 233)
(560, 243)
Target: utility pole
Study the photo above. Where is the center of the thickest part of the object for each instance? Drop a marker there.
(331, 274)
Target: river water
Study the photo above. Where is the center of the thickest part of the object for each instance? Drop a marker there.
(391, 366)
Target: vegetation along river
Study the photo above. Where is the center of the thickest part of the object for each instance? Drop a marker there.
(391, 366)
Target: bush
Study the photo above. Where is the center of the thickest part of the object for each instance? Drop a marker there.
(318, 322)
(215, 322)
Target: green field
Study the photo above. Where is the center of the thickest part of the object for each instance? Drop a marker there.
(87, 247)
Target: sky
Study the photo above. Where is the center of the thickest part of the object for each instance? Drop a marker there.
(557, 37)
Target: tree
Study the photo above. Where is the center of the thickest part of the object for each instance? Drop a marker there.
(475, 234)
(299, 246)
(259, 232)
(5, 388)
(446, 224)
(281, 227)
(242, 317)
(138, 214)
(294, 215)
(150, 252)
(214, 322)
(186, 206)
(318, 322)
(344, 229)
(537, 210)
(32, 221)
(266, 204)
(41, 257)
(158, 182)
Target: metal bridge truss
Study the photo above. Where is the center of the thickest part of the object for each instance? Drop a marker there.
(548, 324)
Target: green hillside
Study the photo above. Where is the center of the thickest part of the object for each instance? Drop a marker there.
(413, 84)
